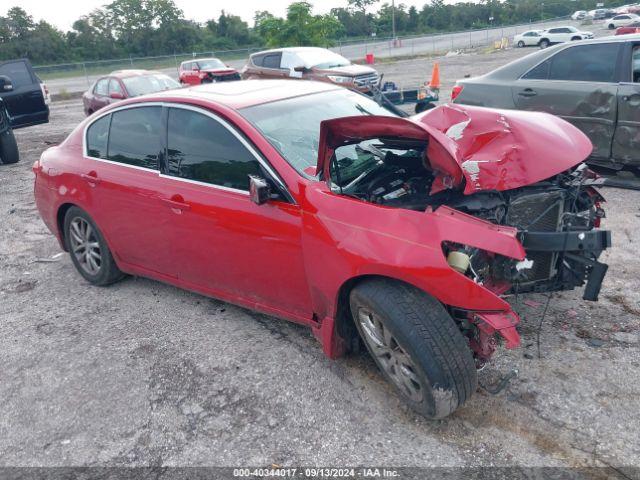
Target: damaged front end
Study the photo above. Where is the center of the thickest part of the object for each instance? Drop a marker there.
(515, 169)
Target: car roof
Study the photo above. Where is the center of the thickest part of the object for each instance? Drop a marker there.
(248, 93)
(199, 59)
(291, 49)
(133, 73)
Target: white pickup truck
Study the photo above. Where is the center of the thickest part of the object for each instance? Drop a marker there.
(562, 35)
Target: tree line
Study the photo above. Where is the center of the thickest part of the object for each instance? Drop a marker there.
(126, 28)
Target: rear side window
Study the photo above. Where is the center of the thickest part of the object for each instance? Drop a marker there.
(97, 136)
(202, 149)
(582, 63)
(135, 136)
(102, 87)
(272, 60)
(18, 73)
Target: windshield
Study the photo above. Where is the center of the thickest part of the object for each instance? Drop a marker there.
(144, 84)
(573, 29)
(320, 58)
(211, 64)
(292, 126)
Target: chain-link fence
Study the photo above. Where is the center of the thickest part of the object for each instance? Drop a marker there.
(76, 77)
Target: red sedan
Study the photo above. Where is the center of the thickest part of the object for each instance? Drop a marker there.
(312, 203)
(206, 70)
(628, 29)
(123, 84)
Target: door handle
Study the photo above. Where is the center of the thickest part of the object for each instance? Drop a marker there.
(91, 178)
(176, 204)
(528, 92)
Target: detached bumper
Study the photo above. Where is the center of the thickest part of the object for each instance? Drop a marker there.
(577, 248)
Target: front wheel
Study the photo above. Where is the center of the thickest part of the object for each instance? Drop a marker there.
(88, 249)
(611, 26)
(416, 344)
(520, 44)
(544, 43)
(8, 147)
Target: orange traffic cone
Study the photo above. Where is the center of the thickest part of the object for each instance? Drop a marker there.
(435, 76)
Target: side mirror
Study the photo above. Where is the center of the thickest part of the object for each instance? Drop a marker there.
(259, 190)
(116, 95)
(5, 84)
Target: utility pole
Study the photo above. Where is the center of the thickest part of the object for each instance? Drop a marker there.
(393, 20)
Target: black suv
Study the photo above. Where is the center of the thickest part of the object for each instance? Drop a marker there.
(22, 104)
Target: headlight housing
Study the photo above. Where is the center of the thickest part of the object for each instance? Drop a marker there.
(340, 79)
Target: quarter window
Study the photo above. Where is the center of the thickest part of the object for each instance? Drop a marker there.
(97, 136)
(202, 149)
(134, 137)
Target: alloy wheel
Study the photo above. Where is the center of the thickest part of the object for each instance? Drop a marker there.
(390, 355)
(85, 245)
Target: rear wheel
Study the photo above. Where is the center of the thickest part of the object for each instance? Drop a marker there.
(416, 344)
(8, 147)
(88, 249)
(520, 44)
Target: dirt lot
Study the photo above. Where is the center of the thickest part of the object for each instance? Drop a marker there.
(142, 373)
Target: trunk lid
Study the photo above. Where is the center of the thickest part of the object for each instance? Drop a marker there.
(484, 149)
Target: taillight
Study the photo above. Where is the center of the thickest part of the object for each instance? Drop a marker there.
(457, 90)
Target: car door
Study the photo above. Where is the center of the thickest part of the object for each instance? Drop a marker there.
(579, 84)
(626, 142)
(25, 101)
(222, 243)
(122, 151)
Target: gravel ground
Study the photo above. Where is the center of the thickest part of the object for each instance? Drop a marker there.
(141, 373)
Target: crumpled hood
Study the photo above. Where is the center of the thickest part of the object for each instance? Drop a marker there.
(501, 149)
(482, 148)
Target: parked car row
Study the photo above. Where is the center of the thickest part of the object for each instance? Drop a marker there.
(545, 38)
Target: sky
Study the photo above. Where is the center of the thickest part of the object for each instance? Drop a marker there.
(63, 13)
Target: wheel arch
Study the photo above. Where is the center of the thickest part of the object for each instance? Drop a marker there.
(60, 214)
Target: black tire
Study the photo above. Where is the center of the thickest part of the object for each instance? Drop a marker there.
(420, 328)
(575, 39)
(424, 106)
(8, 147)
(544, 43)
(611, 26)
(520, 44)
(108, 272)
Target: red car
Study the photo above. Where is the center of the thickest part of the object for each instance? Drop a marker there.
(123, 84)
(310, 202)
(628, 29)
(206, 70)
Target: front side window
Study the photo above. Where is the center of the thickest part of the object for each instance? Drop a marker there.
(97, 137)
(203, 149)
(272, 60)
(135, 136)
(114, 87)
(585, 63)
(582, 63)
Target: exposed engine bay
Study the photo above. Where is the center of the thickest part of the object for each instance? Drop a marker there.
(555, 218)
